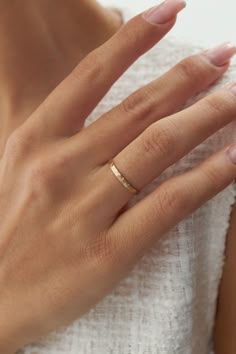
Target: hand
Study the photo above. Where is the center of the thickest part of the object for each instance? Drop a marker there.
(33, 62)
(66, 239)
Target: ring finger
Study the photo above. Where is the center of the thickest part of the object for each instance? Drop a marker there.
(158, 99)
(165, 142)
(136, 229)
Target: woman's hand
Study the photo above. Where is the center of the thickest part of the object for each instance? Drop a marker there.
(41, 42)
(66, 237)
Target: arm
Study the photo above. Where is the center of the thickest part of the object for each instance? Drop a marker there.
(225, 329)
(66, 240)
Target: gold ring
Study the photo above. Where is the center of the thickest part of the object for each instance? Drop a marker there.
(121, 178)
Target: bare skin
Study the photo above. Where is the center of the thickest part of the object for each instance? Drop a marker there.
(56, 37)
(225, 328)
(51, 208)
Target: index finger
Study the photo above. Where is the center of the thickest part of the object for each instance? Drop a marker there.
(72, 101)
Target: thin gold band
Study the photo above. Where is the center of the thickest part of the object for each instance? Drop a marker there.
(121, 178)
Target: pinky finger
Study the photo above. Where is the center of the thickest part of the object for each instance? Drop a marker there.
(135, 230)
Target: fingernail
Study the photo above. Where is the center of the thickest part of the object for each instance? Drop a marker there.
(221, 54)
(232, 88)
(231, 152)
(164, 12)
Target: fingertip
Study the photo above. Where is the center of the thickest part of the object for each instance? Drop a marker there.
(220, 55)
(165, 12)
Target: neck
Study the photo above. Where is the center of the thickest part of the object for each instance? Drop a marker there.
(41, 43)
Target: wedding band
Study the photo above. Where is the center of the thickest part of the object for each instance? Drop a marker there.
(121, 178)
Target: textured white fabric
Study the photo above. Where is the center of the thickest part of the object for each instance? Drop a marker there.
(167, 304)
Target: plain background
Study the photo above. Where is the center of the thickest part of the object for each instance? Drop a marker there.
(203, 22)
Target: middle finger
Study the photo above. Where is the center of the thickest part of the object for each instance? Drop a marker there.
(158, 99)
(165, 142)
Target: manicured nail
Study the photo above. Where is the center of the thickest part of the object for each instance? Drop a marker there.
(231, 152)
(232, 88)
(221, 54)
(164, 12)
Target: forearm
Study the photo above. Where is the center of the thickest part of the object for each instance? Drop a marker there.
(225, 328)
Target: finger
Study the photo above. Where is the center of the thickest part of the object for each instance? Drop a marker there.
(117, 13)
(71, 102)
(117, 128)
(165, 142)
(136, 229)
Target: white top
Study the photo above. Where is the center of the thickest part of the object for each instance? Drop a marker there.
(167, 304)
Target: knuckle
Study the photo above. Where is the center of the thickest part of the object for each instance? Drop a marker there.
(217, 105)
(139, 104)
(191, 69)
(215, 176)
(173, 200)
(91, 68)
(133, 38)
(159, 139)
(19, 144)
(60, 164)
(51, 171)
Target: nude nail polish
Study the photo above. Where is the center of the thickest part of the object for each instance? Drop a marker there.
(231, 152)
(232, 88)
(221, 54)
(164, 12)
